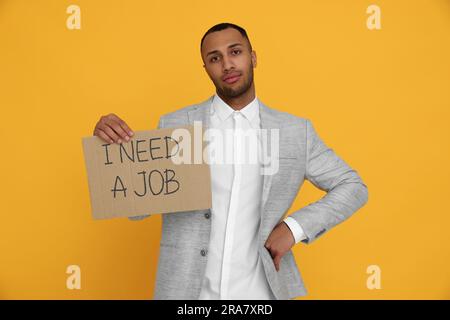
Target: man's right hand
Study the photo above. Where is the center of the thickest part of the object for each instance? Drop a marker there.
(111, 128)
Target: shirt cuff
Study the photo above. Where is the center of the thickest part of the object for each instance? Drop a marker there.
(296, 229)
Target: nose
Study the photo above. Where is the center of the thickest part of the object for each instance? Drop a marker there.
(227, 64)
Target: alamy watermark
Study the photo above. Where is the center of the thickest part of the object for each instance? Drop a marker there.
(228, 146)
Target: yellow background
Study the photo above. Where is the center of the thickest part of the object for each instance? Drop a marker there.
(379, 98)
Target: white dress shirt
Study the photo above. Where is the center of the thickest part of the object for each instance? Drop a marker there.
(234, 269)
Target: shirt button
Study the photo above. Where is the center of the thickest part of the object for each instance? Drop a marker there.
(207, 215)
(203, 252)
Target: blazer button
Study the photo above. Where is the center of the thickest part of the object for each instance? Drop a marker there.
(203, 252)
(207, 215)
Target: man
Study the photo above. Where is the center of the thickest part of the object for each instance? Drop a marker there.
(241, 247)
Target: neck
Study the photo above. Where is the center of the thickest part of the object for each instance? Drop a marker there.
(239, 102)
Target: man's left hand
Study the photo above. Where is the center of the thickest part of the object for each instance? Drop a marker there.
(280, 241)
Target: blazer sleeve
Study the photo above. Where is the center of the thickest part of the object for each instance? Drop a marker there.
(137, 218)
(345, 191)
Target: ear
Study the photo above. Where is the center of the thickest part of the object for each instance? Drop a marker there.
(254, 60)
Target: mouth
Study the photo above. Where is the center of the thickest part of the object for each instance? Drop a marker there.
(230, 79)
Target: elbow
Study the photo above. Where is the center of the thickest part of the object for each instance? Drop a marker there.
(362, 194)
(359, 191)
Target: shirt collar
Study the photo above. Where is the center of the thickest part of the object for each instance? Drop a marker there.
(250, 111)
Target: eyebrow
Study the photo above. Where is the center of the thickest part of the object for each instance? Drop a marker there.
(230, 46)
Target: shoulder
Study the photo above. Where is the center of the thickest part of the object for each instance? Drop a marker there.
(181, 115)
(292, 119)
(287, 119)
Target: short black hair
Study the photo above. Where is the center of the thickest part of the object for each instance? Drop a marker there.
(223, 26)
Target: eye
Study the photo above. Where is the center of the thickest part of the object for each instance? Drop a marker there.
(214, 59)
(237, 51)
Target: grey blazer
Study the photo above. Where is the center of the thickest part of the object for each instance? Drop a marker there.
(303, 155)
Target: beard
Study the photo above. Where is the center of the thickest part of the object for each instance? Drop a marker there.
(228, 92)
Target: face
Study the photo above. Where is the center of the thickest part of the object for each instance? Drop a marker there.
(229, 62)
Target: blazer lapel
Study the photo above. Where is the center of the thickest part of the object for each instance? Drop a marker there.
(201, 112)
(268, 121)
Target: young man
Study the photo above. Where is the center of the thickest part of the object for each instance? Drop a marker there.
(241, 247)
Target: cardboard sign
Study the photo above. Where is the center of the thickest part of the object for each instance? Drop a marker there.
(140, 177)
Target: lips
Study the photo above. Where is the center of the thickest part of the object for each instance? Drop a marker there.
(231, 78)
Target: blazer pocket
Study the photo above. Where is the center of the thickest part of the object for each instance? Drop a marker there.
(269, 258)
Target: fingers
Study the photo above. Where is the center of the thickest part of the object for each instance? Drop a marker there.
(118, 131)
(124, 126)
(101, 134)
(111, 134)
(112, 129)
